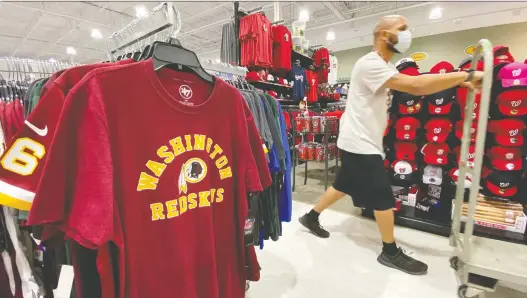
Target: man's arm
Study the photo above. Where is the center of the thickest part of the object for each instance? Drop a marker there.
(430, 83)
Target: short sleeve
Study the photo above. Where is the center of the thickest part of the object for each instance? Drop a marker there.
(76, 188)
(23, 161)
(375, 72)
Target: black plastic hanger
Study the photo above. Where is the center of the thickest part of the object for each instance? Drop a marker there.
(174, 56)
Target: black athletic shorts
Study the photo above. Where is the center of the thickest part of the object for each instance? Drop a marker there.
(365, 179)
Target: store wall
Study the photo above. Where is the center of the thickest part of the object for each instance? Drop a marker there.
(449, 46)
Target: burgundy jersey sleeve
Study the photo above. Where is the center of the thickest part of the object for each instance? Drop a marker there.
(258, 151)
(22, 163)
(79, 167)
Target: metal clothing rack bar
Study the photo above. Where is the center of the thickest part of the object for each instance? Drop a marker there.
(22, 68)
(209, 65)
(142, 28)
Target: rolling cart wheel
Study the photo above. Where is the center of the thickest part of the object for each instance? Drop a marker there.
(462, 291)
(454, 263)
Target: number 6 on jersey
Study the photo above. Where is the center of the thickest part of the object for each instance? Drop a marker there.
(18, 160)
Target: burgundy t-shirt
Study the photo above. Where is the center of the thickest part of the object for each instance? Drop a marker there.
(160, 164)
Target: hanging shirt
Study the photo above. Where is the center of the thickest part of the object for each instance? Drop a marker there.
(282, 47)
(256, 41)
(299, 86)
(333, 70)
(163, 172)
(312, 83)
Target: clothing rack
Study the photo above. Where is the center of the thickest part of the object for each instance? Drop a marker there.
(226, 68)
(280, 22)
(13, 68)
(151, 26)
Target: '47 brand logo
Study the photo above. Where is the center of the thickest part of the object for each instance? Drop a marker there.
(185, 92)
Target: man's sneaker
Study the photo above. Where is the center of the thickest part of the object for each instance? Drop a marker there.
(313, 225)
(403, 262)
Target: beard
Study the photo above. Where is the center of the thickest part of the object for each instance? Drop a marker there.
(391, 45)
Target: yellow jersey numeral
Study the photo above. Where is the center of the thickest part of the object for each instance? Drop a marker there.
(18, 160)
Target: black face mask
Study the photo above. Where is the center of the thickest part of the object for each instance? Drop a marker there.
(391, 44)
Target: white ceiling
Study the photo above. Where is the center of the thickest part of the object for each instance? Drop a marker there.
(43, 30)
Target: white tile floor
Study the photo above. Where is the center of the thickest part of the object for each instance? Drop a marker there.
(301, 265)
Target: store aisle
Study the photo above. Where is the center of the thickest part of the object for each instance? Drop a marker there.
(345, 265)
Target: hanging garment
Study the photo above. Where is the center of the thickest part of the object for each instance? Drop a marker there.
(208, 180)
(282, 48)
(298, 74)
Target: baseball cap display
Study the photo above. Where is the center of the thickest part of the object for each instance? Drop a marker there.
(513, 75)
(471, 155)
(454, 175)
(501, 184)
(405, 150)
(435, 153)
(438, 129)
(407, 103)
(512, 102)
(473, 130)
(508, 132)
(252, 76)
(502, 55)
(442, 67)
(433, 175)
(440, 103)
(505, 159)
(462, 97)
(403, 170)
(406, 128)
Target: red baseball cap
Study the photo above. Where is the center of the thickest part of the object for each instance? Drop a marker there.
(273, 94)
(442, 67)
(454, 174)
(406, 128)
(501, 184)
(513, 102)
(438, 129)
(410, 71)
(440, 103)
(471, 155)
(508, 132)
(252, 76)
(405, 150)
(473, 130)
(435, 153)
(513, 75)
(502, 55)
(506, 159)
(408, 104)
(462, 97)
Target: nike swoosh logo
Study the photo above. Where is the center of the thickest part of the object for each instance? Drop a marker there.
(41, 132)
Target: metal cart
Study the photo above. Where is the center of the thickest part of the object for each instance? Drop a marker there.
(481, 262)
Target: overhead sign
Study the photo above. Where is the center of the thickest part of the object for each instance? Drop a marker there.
(419, 56)
(470, 50)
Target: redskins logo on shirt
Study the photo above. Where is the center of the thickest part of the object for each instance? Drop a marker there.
(189, 193)
(192, 171)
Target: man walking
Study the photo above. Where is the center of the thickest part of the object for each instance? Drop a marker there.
(362, 126)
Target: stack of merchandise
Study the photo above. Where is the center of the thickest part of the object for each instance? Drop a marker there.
(322, 64)
(256, 41)
(498, 213)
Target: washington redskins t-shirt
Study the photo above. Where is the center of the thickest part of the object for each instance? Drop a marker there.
(160, 164)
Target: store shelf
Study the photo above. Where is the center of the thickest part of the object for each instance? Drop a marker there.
(331, 133)
(284, 89)
(305, 61)
(412, 218)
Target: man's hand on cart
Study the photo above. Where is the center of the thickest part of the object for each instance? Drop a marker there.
(475, 81)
